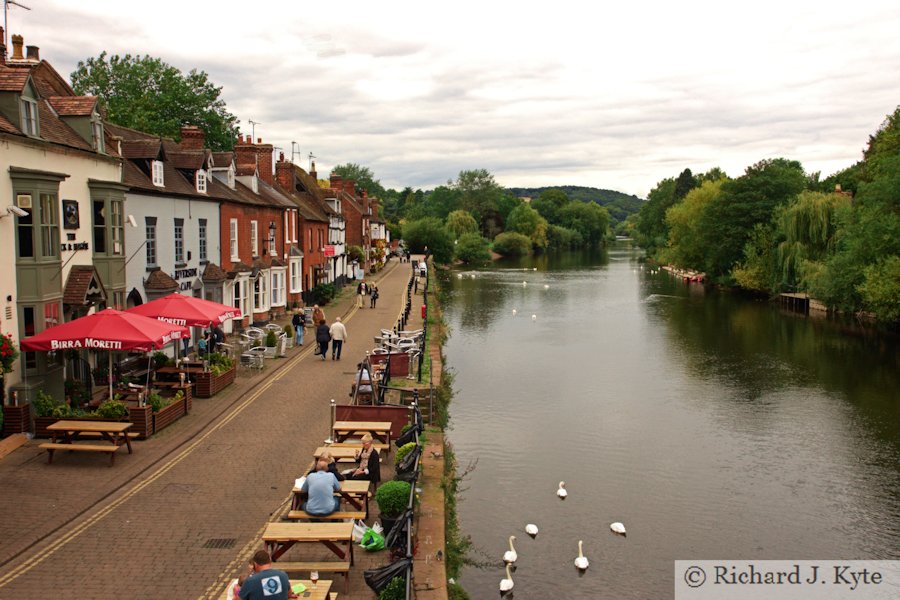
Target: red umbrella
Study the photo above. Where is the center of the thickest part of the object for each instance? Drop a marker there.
(187, 310)
(108, 329)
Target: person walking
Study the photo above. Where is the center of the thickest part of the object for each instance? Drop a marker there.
(373, 296)
(318, 314)
(360, 292)
(299, 322)
(323, 336)
(338, 337)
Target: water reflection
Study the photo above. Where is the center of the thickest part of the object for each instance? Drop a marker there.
(710, 426)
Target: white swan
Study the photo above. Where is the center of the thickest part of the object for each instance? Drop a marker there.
(534, 317)
(514, 312)
(546, 286)
(510, 556)
(561, 492)
(617, 528)
(534, 268)
(531, 529)
(507, 584)
(524, 283)
(460, 275)
(581, 562)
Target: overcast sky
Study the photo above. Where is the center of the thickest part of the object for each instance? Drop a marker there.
(538, 93)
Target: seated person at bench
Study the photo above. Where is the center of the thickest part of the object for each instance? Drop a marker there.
(363, 380)
(265, 582)
(320, 488)
(332, 466)
(368, 462)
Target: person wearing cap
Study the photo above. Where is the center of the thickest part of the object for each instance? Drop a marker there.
(338, 337)
(368, 463)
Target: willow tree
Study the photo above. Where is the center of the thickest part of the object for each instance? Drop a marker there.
(808, 227)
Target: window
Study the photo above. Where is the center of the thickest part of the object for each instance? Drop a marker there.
(201, 181)
(117, 227)
(287, 227)
(310, 241)
(231, 178)
(158, 179)
(99, 226)
(278, 287)
(25, 227)
(254, 238)
(49, 226)
(295, 276)
(261, 292)
(97, 135)
(295, 225)
(179, 241)
(151, 241)
(240, 295)
(233, 239)
(29, 116)
(272, 240)
(30, 358)
(202, 237)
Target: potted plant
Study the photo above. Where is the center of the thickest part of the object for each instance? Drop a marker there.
(160, 359)
(288, 336)
(395, 590)
(271, 344)
(402, 451)
(221, 374)
(392, 498)
(112, 409)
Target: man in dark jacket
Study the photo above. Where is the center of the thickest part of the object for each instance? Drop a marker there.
(323, 336)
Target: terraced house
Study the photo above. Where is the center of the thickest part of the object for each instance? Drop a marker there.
(62, 211)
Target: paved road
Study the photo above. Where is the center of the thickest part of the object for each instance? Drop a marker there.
(79, 529)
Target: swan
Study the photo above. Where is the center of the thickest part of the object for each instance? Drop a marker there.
(524, 283)
(561, 492)
(581, 563)
(546, 286)
(531, 529)
(514, 312)
(534, 268)
(460, 275)
(507, 584)
(510, 556)
(617, 528)
(534, 317)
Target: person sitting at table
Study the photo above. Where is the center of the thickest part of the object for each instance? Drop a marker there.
(332, 466)
(266, 582)
(368, 462)
(320, 488)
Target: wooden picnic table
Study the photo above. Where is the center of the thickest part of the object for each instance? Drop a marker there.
(337, 537)
(354, 491)
(64, 433)
(177, 370)
(380, 430)
(323, 588)
(339, 453)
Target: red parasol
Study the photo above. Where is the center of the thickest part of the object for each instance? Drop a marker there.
(187, 310)
(108, 329)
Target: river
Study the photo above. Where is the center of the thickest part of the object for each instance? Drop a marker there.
(712, 426)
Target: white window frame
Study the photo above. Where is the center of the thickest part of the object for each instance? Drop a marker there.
(29, 116)
(201, 181)
(287, 227)
(271, 243)
(152, 251)
(202, 232)
(159, 179)
(230, 178)
(233, 240)
(239, 299)
(294, 227)
(254, 238)
(261, 292)
(278, 283)
(178, 237)
(97, 135)
(296, 279)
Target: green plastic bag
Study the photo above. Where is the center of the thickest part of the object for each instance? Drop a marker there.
(372, 541)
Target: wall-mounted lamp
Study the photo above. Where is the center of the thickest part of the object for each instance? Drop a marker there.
(131, 221)
(15, 210)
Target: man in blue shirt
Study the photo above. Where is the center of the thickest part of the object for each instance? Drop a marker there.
(320, 487)
(266, 583)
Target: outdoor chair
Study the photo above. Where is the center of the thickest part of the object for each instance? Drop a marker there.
(253, 358)
(273, 327)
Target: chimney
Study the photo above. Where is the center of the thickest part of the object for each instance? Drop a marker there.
(374, 203)
(365, 200)
(2, 46)
(284, 173)
(350, 187)
(312, 171)
(33, 53)
(17, 41)
(244, 152)
(335, 181)
(192, 137)
(264, 160)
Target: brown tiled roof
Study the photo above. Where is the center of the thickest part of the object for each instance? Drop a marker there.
(309, 208)
(222, 159)
(274, 195)
(240, 267)
(157, 280)
(213, 273)
(6, 126)
(244, 169)
(13, 80)
(83, 281)
(260, 265)
(187, 159)
(276, 262)
(141, 148)
(54, 130)
(73, 106)
(48, 81)
(296, 251)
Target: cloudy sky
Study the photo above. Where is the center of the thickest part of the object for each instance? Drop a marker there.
(613, 95)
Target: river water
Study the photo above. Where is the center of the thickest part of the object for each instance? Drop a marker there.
(712, 426)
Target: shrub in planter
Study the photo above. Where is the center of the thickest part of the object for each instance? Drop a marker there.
(271, 340)
(160, 360)
(157, 402)
(112, 409)
(392, 497)
(289, 331)
(395, 590)
(402, 451)
(44, 404)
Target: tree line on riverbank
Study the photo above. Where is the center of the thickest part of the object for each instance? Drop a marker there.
(779, 229)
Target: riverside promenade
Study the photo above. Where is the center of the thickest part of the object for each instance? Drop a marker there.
(185, 511)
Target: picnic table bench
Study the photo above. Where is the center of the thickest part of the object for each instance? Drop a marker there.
(380, 430)
(354, 491)
(337, 537)
(116, 433)
(338, 515)
(321, 592)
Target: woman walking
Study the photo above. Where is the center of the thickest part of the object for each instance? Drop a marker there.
(323, 336)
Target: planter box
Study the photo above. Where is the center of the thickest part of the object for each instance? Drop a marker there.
(170, 414)
(16, 419)
(208, 385)
(142, 417)
(41, 423)
(270, 352)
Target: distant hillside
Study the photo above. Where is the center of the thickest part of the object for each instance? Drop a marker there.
(618, 204)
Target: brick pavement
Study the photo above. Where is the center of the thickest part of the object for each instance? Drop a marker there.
(221, 472)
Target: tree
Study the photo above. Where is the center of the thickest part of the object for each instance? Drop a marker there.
(650, 229)
(525, 220)
(362, 176)
(459, 222)
(432, 233)
(685, 247)
(589, 219)
(144, 93)
(488, 203)
(512, 244)
(472, 249)
(684, 184)
(549, 203)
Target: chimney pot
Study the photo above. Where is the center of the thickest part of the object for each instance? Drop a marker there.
(259, 140)
(17, 41)
(281, 157)
(33, 53)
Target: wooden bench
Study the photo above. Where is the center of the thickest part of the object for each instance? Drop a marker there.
(96, 434)
(380, 446)
(342, 567)
(338, 515)
(51, 447)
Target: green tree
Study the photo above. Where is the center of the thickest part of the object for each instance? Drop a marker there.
(472, 249)
(527, 221)
(363, 177)
(561, 238)
(880, 289)
(145, 93)
(459, 222)
(512, 244)
(430, 232)
(650, 228)
(685, 247)
(549, 203)
(587, 218)
(481, 196)
(684, 184)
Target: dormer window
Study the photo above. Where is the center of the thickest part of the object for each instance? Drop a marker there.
(29, 116)
(97, 136)
(231, 178)
(201, 181)
(254, 184)
(157, 168)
